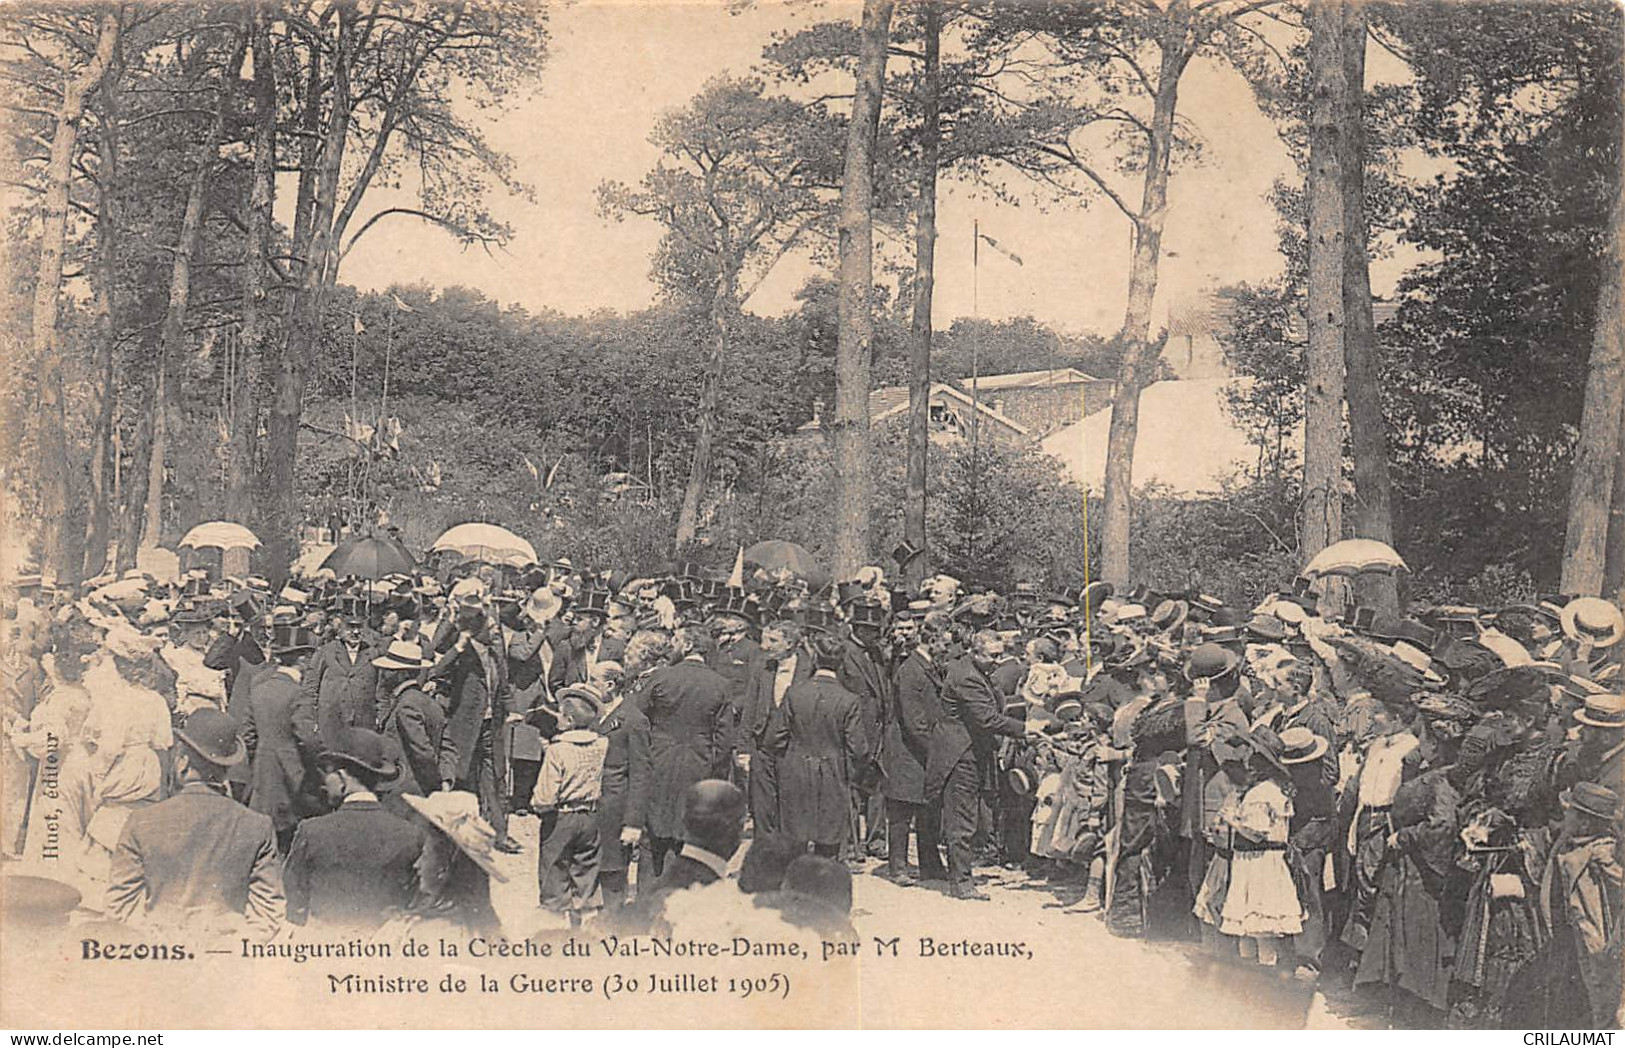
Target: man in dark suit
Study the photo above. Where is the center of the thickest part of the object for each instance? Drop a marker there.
(962, 751)
(915, 713)
(713, 824)
(340, 684)
(690, 737)
(351, 869)
(199, 858)
(411, 721)
(282, 751)
(736, 651)
(781, 663)
(237, 647)
(472, 669)
(863, 672)
(819, 741)
(624, 797)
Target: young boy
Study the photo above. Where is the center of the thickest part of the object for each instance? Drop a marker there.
(566, 797)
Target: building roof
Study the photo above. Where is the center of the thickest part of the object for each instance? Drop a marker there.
(893, 400)
(1209, 314)
(1022, 379)
(1186, 440)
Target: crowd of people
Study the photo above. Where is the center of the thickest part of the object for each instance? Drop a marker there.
(1425, 805)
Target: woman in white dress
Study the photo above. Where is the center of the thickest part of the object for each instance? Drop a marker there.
(1262, 904)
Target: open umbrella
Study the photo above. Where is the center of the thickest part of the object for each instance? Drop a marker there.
(490, 543)
(778, 554)
(369, 558)
(1355, 557)
(220, 534)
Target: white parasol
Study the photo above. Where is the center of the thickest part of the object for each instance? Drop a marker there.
(1355, 557)
(221, 534)
(491, 543)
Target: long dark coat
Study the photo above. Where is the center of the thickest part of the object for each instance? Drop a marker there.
(758, 715)
(342, 693)
(230, 652)
(735, 661)
(690, 737)
(351, 868)
(972, 721)
(464, 683)
(819, 741)
(279, 760)
(413, 724)
(916, 711)
(625, 783)
(863, 675)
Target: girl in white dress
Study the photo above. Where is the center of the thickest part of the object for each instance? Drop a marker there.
(1262, 903)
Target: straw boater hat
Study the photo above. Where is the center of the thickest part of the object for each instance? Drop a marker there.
(1209, 661)
(456, 813)
(1300, 746)
(543, 605)
(402, 655)
(1593, 619)
(1602, 711)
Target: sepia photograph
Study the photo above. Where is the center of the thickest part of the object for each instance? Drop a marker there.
(779, 514)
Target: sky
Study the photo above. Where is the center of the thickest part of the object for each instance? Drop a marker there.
(614, 67)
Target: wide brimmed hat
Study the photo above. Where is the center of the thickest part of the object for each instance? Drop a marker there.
(1602, 711)
(1593, 619)
(456, 813)
(1267, 628)
(35, 900)
(213, 736)
(543, 605)
(1299, 745)
(1266, 744)
(1592, 798)
(587, 692)
(1209, 661)
(363, 750)
(402, 655)
(1170, 615)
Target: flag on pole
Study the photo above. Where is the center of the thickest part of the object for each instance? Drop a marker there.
(402, 306)
(1001, 249)
(736, 578)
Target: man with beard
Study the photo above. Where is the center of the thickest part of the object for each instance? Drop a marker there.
(473, 671)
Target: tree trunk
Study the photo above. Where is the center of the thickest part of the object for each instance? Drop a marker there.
(60, 540)
(853, 483)
(256, 314)
(722, 306)
(1138, 357)
(133, 515)
(105, 395)
(282, 428)
(925, 250)
(172, 337)
(1614, 575)
(1368, 436)
(1323, 400)
(1591, 490)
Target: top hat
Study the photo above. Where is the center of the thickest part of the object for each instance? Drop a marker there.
(594, 602)
(213, 736)
(1593, 619)
(1594, 799)
(245, 604)
(1362, 619)
(1090, 598)
(687, 571)
(1602, 711)
(736, 603)
(905, 553)
(1210, 660)
(402, 655)
(362, 750)
(818, 617)
(290, 637)
(1299, 745)
(867, 613)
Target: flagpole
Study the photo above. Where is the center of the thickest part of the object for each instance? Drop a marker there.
(975, 378)
(389, 345)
